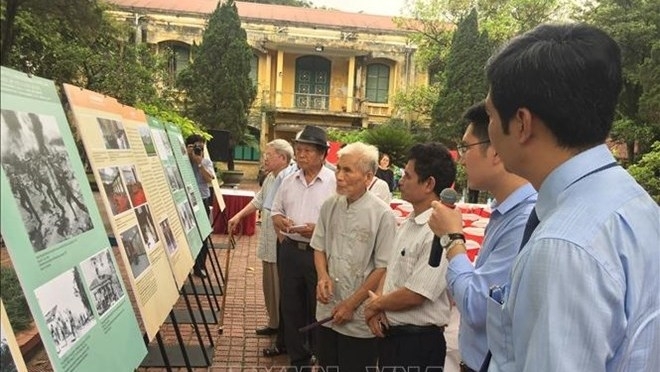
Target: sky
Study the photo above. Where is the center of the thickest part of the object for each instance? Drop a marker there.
(379, 7)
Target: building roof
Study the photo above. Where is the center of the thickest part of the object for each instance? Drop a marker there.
(269, 13)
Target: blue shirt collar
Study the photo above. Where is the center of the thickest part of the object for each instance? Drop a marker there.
(567, 173)
(521, 193)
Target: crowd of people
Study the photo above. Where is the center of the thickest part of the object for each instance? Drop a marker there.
(566, 279)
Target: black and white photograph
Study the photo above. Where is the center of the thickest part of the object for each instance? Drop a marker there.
(187, 216)
(162, 143)
(135, 252)
(7, 363)
(182, 145)
(170, 241)
(191, 197)
(147, 227)
(115, 190)
(66, 308)
(102, 280)
(36, 163)
(173, 177)
(133, 185)
(114, 135)
(147, 141)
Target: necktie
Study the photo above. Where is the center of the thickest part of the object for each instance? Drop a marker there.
(532, 222)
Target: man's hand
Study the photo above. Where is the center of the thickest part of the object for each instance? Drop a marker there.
(445, 220)
(282, 223)
(376, 319)
(342, 313)
(307, 231)
(233, 222)
(325, 289)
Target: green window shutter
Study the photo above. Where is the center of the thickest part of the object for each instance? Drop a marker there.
(378, 83)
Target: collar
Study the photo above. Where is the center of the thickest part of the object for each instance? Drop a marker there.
(519, 195)
(567, 173)
(422, 218)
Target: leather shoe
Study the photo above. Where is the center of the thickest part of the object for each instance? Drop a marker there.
(274, 351)
(267, 331)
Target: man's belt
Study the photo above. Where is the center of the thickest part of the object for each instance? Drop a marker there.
(303, 246)
(412, 329)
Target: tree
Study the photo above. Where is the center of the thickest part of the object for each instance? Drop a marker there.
(464, 79)
(634, 25)
(77, 42)
(219, 87)
(647, 171)
(393, 137)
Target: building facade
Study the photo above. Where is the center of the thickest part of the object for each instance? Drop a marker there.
(311, 66)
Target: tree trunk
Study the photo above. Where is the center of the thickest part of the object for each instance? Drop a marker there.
(473, 196)
(8, 30)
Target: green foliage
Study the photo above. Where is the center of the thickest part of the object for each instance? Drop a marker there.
(345, 136)
(219, 88)
(635, 25)
(647, 171)
(417, 102)
(393, 137)
(464, 79)
(503, 19)
(17, 308)
(186, 125)
(76, 41)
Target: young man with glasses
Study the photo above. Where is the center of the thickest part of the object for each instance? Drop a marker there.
(583, 293)
(514, 200)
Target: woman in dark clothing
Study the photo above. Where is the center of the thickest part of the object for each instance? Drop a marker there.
(384, 172)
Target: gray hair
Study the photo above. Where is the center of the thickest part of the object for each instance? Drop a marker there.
(367, 155)
(282, 147)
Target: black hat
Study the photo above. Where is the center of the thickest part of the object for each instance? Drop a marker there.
(313, 135)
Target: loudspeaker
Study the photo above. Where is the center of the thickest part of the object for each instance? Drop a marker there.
(218, 146)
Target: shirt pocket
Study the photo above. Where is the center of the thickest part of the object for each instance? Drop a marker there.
(498, 329)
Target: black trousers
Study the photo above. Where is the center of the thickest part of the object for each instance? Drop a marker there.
(298, 299)
(420, 349)
(345, 353)
(200, 261)
(279, 341)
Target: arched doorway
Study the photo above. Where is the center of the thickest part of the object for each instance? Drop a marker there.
(312, 82)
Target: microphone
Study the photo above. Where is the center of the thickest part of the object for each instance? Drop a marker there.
(448, 197)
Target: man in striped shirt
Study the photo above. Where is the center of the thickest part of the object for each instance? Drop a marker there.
(411, 308)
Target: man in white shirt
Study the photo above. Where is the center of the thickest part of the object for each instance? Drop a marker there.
(411, 308)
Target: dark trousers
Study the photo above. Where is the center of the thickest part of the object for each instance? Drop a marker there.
(418, 349)
(298, 300)
(200, 261)
(279, 341)
(348, 354)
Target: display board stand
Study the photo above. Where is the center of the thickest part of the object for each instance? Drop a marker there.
(181, 355)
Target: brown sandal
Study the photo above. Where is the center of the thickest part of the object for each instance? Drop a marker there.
(274, 351)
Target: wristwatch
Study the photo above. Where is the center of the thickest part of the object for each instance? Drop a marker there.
(447, 239)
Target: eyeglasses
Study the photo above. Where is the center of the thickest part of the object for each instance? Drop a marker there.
(463, 147)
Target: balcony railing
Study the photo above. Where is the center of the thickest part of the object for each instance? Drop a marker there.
(322, 103)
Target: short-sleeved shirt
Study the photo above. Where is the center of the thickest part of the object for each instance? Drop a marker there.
(267, 244)
(301, 201)
(356, 238)
(379, 188)
(204, 190)
(409, 267)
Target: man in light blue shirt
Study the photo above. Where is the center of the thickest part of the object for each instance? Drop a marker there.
(585, 291)
(515, 198)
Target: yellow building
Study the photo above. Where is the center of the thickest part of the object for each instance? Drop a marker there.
(311, 66)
